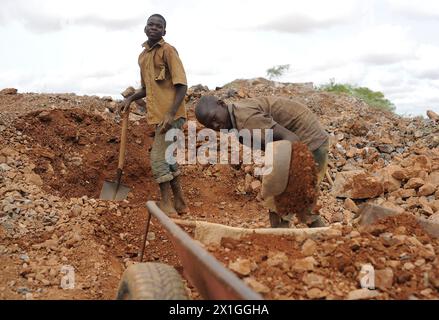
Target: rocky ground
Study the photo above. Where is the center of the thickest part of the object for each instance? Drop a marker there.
(56, 150)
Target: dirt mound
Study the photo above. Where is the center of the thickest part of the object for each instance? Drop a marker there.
(400, 251)
(301, 192)
(75, 151)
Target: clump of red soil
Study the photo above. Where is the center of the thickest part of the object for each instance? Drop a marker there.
(301, 192)
(75, 151)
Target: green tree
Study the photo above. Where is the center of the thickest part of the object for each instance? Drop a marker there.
(277, 71)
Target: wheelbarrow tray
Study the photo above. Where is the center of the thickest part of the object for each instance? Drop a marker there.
(212, 280)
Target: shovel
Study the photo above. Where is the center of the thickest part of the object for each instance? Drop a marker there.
(115, 190)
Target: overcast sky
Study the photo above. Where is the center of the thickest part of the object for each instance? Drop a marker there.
(92, 46)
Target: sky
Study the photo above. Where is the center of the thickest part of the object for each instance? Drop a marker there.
(91, 46)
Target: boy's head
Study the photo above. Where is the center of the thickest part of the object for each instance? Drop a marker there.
(155, 27)
(213, 113)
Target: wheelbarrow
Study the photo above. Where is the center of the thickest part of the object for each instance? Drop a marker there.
(155, 281)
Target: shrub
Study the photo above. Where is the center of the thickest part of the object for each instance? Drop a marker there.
(374, 99)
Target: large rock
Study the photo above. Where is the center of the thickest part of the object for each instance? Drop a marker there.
(404, 193)
(8, 152)
(432, 115)
(384, 278)
(356, 185)
(362, 294)
(277, 259)
(242, 266)
(426, 190)
(314, 280)
(256, 285)
(414, 183)
(422, 163)
(34, 179)
(400, 174)
(309, 247)
(10, 91)
(433, 178)
(4, 167)
(371, 213)
(386, 178)
(390, 205)
(306, 264)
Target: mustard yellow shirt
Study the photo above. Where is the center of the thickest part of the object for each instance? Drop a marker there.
(160, 70)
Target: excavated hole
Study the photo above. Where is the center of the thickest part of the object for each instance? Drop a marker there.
(75, 151)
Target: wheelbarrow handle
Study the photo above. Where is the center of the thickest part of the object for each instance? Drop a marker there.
(123, 140)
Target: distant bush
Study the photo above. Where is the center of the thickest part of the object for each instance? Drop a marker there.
(374, 99)
(277, 71)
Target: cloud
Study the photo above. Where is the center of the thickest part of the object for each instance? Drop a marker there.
(423, 10)
(383, 45)
(53, 16)
(295, 23)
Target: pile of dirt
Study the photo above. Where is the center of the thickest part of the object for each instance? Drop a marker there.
(403, 256)
(301, 192)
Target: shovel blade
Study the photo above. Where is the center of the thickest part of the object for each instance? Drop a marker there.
(114, 191)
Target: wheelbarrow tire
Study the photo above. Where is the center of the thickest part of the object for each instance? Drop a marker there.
(151, 281)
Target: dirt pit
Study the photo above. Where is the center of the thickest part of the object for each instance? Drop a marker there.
(401, 253)
(75, 151)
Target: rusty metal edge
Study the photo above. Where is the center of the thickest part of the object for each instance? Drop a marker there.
(205, 259)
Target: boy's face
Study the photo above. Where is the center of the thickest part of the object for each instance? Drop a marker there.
(215, 118)
(155, 28)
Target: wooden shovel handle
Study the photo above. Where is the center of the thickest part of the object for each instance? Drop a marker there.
(123, 140)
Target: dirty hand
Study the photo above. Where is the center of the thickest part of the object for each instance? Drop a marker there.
(125, 106)
(166, 124)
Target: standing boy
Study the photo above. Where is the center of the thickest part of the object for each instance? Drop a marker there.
(164, 85)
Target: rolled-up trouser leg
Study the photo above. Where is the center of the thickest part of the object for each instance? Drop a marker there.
(161, 169)
(321, 158)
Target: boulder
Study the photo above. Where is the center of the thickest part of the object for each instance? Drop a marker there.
(9, 91)
(277, 259)
(432, 115)
(362, 294)
(356, 185)
(422, 163)
(256, 285)
(33, 178)
(309, 247)
(371, 213)
(306, 264)
(386, 178)
(314, 280)
(426, 190)
(433, 178)
(414, 183)
(242, 266)
(384, 278)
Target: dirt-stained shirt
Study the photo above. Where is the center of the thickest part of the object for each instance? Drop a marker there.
(160, 70)
(266, 112)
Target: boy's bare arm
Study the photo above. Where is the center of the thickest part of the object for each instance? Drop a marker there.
(180, 93)
(125, 106)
